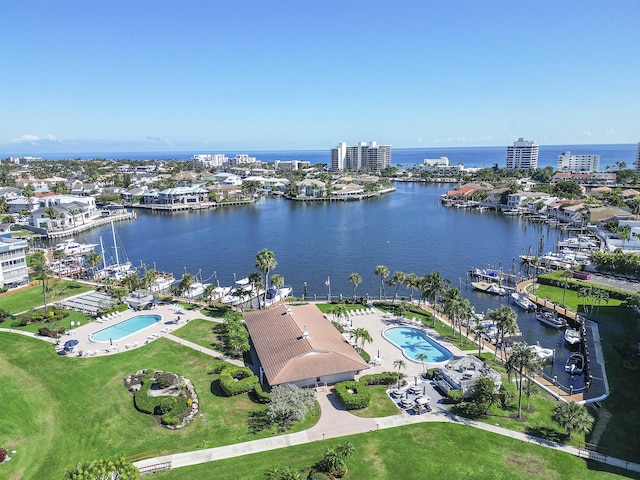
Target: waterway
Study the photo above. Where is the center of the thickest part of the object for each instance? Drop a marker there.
(408, 231)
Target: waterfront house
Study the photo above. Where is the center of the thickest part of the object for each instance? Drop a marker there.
(298, 345)
(463, 373)
(183, 195)
(520, 199)
(311, 188)
(226, 192)
(593, 178)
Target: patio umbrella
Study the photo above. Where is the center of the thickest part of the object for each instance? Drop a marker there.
(110, 341)
(71, 343)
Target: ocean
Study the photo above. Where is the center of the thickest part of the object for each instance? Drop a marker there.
(401, 157)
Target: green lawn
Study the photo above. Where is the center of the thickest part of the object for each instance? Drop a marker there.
(379, 406)
(570, 297)
(57, 411)
(414, 452)
(31, 297)
(200, 332)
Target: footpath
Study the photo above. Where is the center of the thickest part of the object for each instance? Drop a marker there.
(336, 422)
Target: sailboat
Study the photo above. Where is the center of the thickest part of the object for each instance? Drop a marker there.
(119, 269)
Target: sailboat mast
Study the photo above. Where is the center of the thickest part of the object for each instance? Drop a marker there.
(104, 259)
(115, 245)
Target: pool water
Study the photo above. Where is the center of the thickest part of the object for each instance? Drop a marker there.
(125, 328)
(413, 342)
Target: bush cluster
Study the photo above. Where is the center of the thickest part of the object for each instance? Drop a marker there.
(3, 454)
(384, 378)
(169, 407)
(260, 394)
(455, 396)
(47, 332)
(353, 394)
(237, 380)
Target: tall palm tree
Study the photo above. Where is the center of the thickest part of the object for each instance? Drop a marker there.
(265, 262)
(356, 280)
(363, 336)
(520, 360)
(40, 269)
(185, 283)
(256, 285)
(94, 259)
(397, 279)
(399, 364)
(277, 280)
(383, 272)
(422, 357)
(411, 282)
(565, 275)
(453, 306)
(339, 311)
(506, 322)
(573, 417)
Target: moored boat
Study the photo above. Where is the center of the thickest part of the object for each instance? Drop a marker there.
(572, 337)
(551, 319)
(522, 300)
(541, 353)
(489, 288)
(575, 364)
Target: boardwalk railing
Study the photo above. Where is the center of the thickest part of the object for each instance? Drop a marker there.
(155, 468)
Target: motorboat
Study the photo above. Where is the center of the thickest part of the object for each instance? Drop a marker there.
(71, 248)
(522, 300)
(511, 212)
(572, 336)
(489, 288)
(275, 295)
(541, 353)
(551, 319)
(575, 364)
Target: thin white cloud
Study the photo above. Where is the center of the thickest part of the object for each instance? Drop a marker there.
(32, 139)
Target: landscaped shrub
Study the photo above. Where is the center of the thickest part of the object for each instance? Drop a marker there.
(455, 396)
(46, 332)
(3, 454)
(237, 380)
(165, 379)
(384, 378)
(164, 405)
(261, 395)
(353, 395)
(170, 419)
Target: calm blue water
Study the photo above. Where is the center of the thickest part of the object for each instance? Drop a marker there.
(413, 342)
(469, 156)
(124, 329)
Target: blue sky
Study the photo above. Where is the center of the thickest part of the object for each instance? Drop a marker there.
(82, 76)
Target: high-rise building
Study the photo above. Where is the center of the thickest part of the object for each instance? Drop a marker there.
(638, 158)
(370, 158)
(578, 163)
(522, 155)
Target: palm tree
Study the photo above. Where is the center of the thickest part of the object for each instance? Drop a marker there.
(256, 285)
(453, 306)
(361, 335)
(208, 292)
(94, 259)
(397, 279)
(277, 280)
(383, 272)
(185, 283)
(573, 417)
(436, 286)
(478, 330)
(422, 357)
(521, 359)
(265, 262)
(506, 322)
(40, 269)
(565, 275)
(345, 450)
(399, 364)
(411, 282)
(4, 205)
(356, 280)
(339, 310)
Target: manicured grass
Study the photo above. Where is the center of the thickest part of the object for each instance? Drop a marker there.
(199, 331)
(31, 297)
(571, 299)
(379, 406)
(415, 452)
(57, 411)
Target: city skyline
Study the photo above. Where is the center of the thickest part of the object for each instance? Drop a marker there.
(208, 77)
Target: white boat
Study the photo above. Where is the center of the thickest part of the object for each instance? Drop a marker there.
(195, 290)
(575, 364)
(275, 295)
(71, 248)
(522, 300)
(551, 319)
(572, 337)
(511, 212)
(489, 288)
(162, 282)
(541, 353)
(118, 270)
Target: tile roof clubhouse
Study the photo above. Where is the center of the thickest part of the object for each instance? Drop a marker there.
(297, 344)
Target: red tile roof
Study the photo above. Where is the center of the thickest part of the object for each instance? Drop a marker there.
(288, 357)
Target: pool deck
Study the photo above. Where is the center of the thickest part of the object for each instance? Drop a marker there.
(88, 348)
(376, 323)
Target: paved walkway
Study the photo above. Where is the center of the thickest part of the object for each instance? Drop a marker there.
(201, 349)
(30, 334)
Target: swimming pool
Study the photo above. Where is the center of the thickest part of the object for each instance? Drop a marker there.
(413, 342)
(125, 328)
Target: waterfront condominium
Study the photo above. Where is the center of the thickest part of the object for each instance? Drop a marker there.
(522, 155)
(638, 158)
(361, 157)
(578, 163)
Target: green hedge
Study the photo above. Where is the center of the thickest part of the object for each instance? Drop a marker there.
(237, 380)
(261, 395)
(352, 394)
(384, 378)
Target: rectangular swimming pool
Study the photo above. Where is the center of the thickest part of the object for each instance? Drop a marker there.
(125, 328)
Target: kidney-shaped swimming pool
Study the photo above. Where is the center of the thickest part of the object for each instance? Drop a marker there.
(413, 342)
(125, 328)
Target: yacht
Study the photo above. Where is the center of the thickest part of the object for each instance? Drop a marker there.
(551, 319)
(275, 295)
(541, 353)
(71, 248)
(489, 288)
